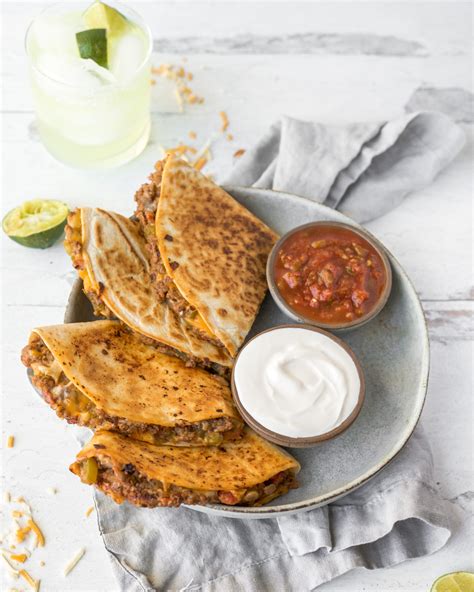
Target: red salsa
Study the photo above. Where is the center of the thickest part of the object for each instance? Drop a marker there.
(329, 274)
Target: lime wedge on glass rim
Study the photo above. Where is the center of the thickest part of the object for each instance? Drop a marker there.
(37, 223)
(92, 44)
(102, 16)
(458, 581)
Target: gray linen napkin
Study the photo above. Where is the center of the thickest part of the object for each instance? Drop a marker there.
(364, 170)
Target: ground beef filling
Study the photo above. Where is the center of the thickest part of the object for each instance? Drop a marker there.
(125, 482)
(70, 404)
(189, 360)
(147, 202)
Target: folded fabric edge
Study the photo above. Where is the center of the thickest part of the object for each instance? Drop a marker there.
(129, 579)
(307, 572)
(374, 519)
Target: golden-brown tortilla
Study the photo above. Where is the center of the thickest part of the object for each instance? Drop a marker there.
(126, 378)
(116, 260)
(214, 249)
(231, 466)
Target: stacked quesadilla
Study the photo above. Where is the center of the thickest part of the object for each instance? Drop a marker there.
(208, 253)
(102, 376)
(109, 252)
(250, 471)
(178, 288)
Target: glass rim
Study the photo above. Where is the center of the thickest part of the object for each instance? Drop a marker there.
(135, 14)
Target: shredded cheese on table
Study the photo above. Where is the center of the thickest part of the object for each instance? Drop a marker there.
(34, 584)
(89, 511)
(74, 561)
(200, 163)
(225, 121)
(21, 533)
(10, 441)
(20, 558)
(36, 529)
(14, 572)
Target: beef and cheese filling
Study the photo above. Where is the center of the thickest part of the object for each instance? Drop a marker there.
(147, 203)
(123, 482)
(72, 405)
(188, 359)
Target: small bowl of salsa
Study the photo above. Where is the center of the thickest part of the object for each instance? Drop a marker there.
(329, 274)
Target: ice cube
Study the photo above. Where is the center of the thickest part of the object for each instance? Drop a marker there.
(104, 75)
(128, 53)
(76, 72)
(57, 33)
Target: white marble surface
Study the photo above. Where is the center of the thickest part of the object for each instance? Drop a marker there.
(324, 61)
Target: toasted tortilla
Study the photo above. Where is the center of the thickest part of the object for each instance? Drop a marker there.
(116, 262)
(126, 378)
(101, 375)
(233, 467)
(214, 250)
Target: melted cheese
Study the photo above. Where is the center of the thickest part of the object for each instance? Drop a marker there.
(198, 322)
(54, 369)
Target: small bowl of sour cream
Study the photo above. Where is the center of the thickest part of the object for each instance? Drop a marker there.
(297, 385)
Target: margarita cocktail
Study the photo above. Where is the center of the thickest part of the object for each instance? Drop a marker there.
(90, 71)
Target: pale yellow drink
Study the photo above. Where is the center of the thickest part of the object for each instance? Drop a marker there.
(90, 116)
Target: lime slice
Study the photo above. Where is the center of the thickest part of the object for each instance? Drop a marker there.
(37, 224)
(458, 581)
(101, 16)
(92, 45)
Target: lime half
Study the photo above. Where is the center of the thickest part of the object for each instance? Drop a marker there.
(92, 44)
(37, 224)
(458, 581)
(102, 16)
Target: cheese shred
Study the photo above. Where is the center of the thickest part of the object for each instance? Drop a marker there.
(224, 120)
(21, 533)
(36, 529)
(34, 584)
(89, 511)
(74, 561)
(10, 441)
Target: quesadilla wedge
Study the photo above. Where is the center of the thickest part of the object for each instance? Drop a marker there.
(102, 376)
(208, 252)
(109, 252)
(250, 471)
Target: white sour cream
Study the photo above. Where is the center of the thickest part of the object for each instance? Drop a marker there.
(297, 382)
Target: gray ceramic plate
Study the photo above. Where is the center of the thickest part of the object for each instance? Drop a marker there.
(392, 349)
